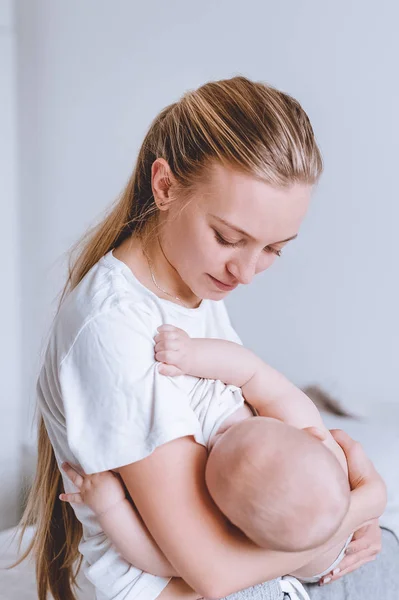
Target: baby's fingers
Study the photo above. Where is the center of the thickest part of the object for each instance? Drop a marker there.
(72, 474)
(169, 357)
(76, 498)
(167, 344)
(169, 370)
(167, 328)
(166, 336)
(172, 331)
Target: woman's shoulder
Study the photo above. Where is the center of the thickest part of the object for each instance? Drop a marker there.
(104, 303)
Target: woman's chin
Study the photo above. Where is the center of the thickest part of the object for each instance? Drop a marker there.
(208, 290)
(214, 294)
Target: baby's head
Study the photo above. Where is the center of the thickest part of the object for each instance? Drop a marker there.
(280, 485)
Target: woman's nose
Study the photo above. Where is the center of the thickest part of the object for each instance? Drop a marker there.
(245, 269)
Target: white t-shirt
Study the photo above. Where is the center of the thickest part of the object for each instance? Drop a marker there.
(105, 405)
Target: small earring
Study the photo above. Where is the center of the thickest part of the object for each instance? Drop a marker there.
(161, 203)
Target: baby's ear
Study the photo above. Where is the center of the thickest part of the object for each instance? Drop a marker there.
(316, 432)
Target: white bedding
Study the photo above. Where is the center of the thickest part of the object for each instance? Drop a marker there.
(20, 583)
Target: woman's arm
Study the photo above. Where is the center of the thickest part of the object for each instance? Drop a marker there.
(169, 491)
(366, 541)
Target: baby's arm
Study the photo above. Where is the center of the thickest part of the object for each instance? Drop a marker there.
(267, 390)
(105, 495)
(262, 386)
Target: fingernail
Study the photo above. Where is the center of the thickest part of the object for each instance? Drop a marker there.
(326, 580)
(336, 571)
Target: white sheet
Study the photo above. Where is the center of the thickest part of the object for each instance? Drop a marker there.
(18, 583)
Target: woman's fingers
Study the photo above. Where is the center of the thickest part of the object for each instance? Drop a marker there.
(317, 432)
(366, 538)
(76, 498)
(359, 465)
(72, 474)
(362, 473)
(351, 564)
(344, 440)
(364, 547)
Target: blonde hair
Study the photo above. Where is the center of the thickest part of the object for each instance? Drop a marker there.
(235, 122)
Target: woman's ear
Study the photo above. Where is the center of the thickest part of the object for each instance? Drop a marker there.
(161, 180)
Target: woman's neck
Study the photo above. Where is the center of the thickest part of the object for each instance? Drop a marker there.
(152, 259)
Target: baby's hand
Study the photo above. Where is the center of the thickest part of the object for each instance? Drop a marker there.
(173, 348)
(100, 491)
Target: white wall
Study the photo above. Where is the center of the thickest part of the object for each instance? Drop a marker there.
(93, 74)
(10, 398)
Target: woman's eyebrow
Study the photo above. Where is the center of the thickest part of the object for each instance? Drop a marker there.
(247, 234)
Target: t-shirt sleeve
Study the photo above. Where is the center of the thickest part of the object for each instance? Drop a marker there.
(118, 408)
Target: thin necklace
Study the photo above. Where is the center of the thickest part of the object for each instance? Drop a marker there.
(155, 281)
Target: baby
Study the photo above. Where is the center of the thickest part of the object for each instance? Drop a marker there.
(279, 477)
(282, 487)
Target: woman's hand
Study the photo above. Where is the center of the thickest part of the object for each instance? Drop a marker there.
(100, 491)
(173, 349)
(363, 474)
(364, 547)
(366, 542)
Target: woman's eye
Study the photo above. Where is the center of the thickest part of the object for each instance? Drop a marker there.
(274, 251)
(224, 242)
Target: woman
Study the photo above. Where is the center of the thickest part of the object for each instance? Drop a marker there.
(222, 182)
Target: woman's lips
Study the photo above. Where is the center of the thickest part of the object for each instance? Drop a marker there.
(223, 286)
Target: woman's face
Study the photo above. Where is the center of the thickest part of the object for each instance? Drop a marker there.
(203, 242)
